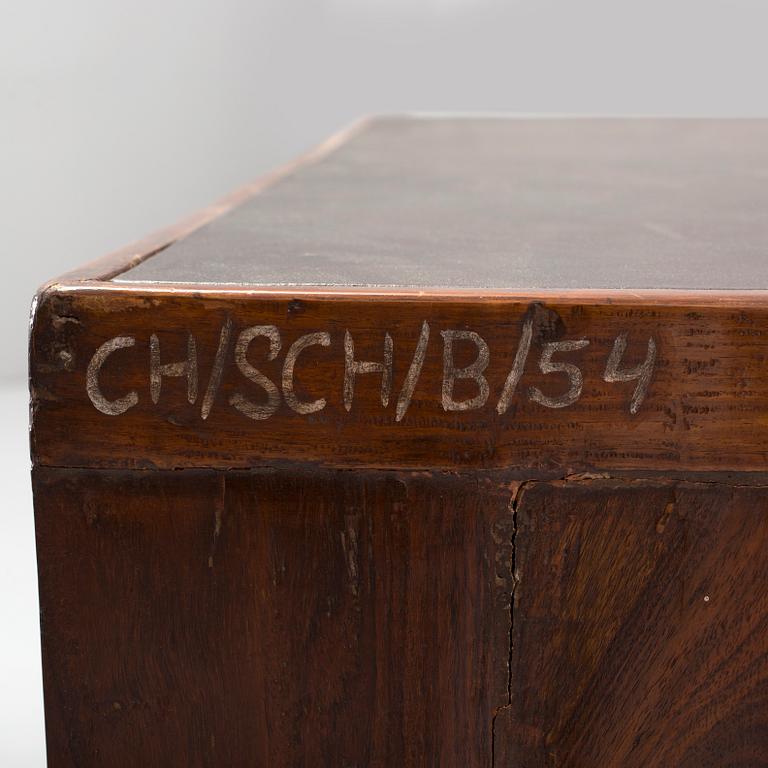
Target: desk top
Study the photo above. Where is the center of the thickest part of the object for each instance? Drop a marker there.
(501, 204)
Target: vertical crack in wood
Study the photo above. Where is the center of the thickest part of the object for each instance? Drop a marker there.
(513, 566)
(517, 491)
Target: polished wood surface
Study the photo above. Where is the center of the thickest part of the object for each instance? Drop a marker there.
(640, 620)
(705, 405)
(272, 618)
(303, 525)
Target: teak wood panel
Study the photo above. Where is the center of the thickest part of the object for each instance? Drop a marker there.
(639, 627)
(336, 618)
(273, 618)
(704, 406)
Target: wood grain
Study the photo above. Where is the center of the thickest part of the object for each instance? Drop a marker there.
(272, 618)
(381, 581)
(706, 407)
(640, 619)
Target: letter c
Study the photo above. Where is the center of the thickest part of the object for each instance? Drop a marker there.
(324, 340)
(110, 407)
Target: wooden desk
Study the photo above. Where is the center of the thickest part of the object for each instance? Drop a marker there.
(445, 446)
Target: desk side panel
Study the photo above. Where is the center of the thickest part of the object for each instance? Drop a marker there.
(272, 618)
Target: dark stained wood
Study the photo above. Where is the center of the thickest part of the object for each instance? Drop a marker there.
(705, 408)
(640, 623)
(369, 585)
(272, 618)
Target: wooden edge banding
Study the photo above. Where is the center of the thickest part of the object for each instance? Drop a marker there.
(671, 297)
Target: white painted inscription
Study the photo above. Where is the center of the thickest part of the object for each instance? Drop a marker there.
(214, 380)
(515, 374)
(298, 346)
(573, 372)
(642, 373)
(241, 402)
(352, 367)
(414, 371)
(474, 371)
(110, 407)
(556, 358)
(186, 368)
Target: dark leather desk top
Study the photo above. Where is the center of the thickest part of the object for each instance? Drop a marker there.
(502, 203)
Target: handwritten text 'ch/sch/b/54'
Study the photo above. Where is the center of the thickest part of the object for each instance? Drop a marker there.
(553, 358)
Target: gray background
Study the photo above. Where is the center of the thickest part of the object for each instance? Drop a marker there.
(117, 118)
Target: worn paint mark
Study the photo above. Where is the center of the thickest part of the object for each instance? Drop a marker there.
(473, 371)
(109, 407)
(353, 367)
(239, 401)
(214, 381)
(414, 371)
(510, 385)
(321, 339)
(158, 370)
(573, 372)
(59, 321)
(642, 373)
